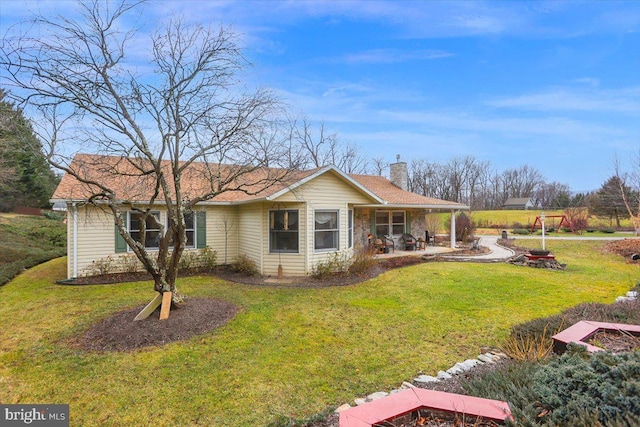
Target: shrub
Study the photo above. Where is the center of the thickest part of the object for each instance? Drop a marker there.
(521, 231)
(189, 260)
(602, 384)
(608, 230)
(101, 266)
(362, 261)
(464, 228)
(208, 258)
(335, 262)
(129, 263)
(245, 265)
(529, 347)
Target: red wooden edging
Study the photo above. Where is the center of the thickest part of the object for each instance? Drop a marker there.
(412, 399)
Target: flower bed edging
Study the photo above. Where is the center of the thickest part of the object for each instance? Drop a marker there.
(409, 400)
(580, 332)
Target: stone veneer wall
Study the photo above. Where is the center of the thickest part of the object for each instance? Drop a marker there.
(361, 227)
(362, 224)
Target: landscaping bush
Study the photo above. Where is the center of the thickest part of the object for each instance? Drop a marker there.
(464, 228)
(336, 262)
(602, 384)
(245, 266)
(521, 231)
(362, 261)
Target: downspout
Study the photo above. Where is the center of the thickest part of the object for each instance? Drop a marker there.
(74, 212)
(453, 229)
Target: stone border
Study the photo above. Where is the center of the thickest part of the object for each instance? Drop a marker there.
(458, 368)
(412, 399)
(580, 332)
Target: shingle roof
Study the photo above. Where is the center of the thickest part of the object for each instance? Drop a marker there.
(394, 195)
(125, 177)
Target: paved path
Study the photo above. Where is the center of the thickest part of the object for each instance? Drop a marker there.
(497, 254)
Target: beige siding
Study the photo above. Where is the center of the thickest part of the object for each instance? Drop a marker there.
(223, 227)
(250, 234)
(96, 237)
(292, 264)
(326, 187)
(327, 192)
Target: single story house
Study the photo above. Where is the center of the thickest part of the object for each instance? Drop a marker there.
(519, 203)
(296, 225)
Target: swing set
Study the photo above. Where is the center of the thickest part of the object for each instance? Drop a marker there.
(564, 220)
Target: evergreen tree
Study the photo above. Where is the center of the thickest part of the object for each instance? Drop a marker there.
(608, 201)
(25, 176)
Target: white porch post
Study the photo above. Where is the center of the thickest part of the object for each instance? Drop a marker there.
(453, 228)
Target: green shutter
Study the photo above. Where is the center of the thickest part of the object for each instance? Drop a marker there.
(408, 219)
(121, 245)
(372, 213)
(201, 229)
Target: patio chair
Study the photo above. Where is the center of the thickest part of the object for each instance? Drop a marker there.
(387, 242)
(408, 241)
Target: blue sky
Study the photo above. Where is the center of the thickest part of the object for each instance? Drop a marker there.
(555, 85)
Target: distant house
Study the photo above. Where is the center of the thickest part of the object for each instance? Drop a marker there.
(519, 203)
(321, 212)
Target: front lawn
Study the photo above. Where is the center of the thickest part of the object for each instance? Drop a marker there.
(288, 352)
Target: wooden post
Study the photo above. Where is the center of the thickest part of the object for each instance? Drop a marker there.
(149, 308)
(166, 305)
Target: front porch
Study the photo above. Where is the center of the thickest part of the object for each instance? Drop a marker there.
(429, 250)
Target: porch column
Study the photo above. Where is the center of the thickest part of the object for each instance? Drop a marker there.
(453, 229)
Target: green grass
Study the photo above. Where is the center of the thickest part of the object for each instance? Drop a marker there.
(507, 218)
(26, 241)
(289, 352)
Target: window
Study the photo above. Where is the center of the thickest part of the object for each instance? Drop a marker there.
(382, 223)
(397, 218)
(350, 229)
(151, 237)
(390, 223)
(190, 226)
(283, 231)
(327, 233)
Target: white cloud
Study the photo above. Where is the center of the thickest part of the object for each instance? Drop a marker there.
(389, 56)
(624, 101)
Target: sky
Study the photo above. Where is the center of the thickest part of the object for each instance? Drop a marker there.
(551, 84)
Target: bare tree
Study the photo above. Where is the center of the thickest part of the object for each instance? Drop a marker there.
(378, 166)
(628, 186)
(180, 113)
(321, 148)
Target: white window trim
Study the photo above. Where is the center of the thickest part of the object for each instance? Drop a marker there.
(278, 251)
(333, 230)
(350, 226)
(148, 248)
(390, 222)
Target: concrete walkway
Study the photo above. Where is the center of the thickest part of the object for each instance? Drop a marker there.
(497, 254)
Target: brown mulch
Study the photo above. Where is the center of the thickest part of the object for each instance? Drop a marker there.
(615, 341)
(625, 248)
(120, 333)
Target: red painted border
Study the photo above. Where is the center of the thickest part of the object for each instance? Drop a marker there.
(416, 398)
(583, 330)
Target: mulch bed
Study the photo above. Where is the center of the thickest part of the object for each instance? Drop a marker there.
(615, 341)
(428, 418)
(625, 248)
(120, 333)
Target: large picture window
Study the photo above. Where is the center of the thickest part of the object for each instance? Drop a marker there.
(327, 232)
(151, 236)
(283, 231)
(390, 223)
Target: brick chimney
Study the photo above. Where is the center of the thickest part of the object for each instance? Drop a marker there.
(399, 174)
